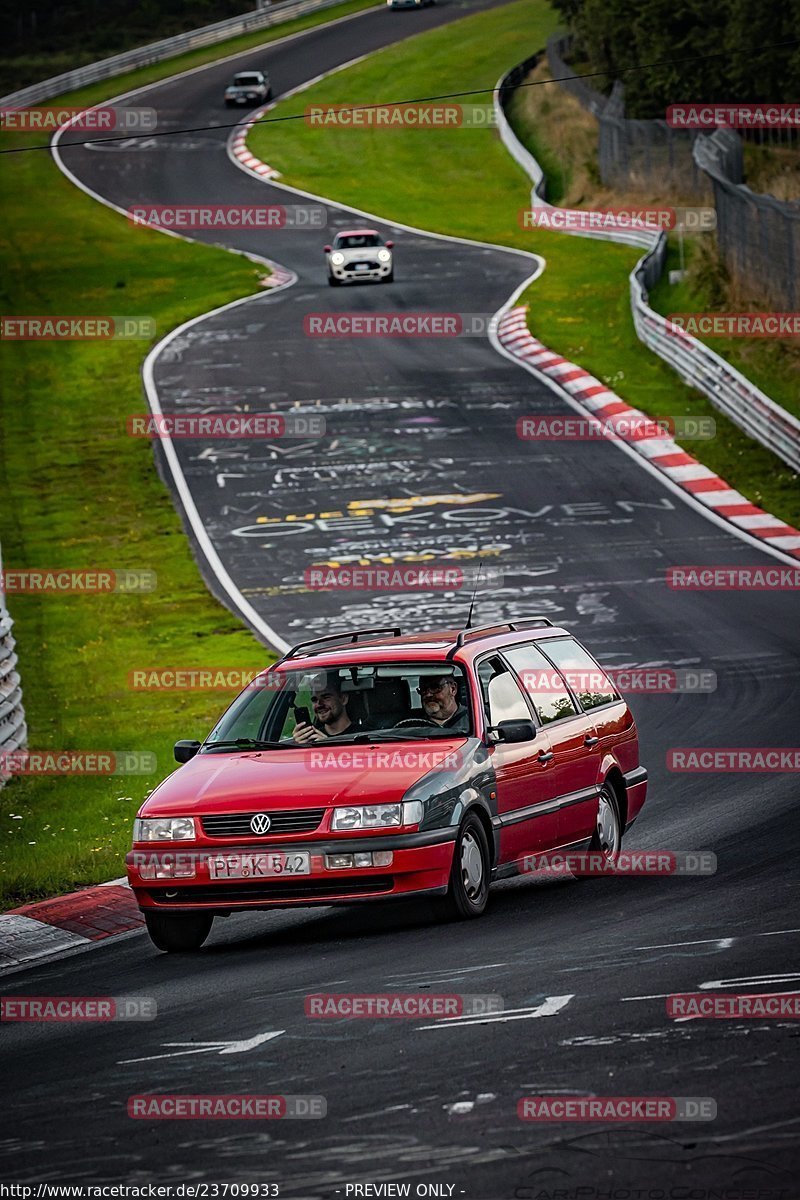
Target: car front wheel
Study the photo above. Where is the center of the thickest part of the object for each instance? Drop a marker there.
(468, 890)
(177, 933)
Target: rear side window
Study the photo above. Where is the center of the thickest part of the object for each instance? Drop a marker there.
(502, 698)
(542, 683)
(588, 681)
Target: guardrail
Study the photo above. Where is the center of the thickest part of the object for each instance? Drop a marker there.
(143, 56)
(700, 367)
(13, 731)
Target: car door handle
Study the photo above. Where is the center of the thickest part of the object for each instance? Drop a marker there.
(544, 756)
(590, 740)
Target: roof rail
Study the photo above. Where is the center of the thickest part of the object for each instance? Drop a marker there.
(352, 637)
(515, 625)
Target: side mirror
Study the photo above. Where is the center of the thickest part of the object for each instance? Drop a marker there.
(513, 731)
(389, 245)
(185, 750)
(328, 249)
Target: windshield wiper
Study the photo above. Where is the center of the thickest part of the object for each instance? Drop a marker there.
(241, 744)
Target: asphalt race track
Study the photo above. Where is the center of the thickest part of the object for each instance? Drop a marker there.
(585, 536)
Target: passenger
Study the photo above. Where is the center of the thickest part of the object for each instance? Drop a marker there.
(331, 717)
(440, 701)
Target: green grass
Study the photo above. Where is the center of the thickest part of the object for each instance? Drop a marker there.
(78, 492)
(463, 182)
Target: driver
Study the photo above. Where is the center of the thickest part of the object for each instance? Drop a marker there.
(440, 701)
(330, 712)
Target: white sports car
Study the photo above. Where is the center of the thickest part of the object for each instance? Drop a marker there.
(359, 254)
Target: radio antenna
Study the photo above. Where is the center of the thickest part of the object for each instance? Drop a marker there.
(474, 592)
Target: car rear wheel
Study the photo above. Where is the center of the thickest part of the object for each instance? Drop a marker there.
(178, 932)
(607, 837)
(468, 890)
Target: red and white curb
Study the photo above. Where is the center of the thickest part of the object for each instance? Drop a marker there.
(239, 150)
(661, 452)
(67, 923)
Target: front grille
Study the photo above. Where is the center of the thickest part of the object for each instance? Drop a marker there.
(248, 892)
(373, 266)
(287, 820)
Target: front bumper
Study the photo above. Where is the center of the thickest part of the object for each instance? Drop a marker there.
(347, 274)
(421, 864)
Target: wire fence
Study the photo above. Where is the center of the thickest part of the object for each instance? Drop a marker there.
(697, 365)
(143, 56)
(758, 236)
(13, 731)
(633, 155)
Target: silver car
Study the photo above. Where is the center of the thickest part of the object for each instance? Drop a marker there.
(359, 254)
(408, 3)
(248, 87)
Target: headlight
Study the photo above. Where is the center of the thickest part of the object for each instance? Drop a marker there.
(385, 255)
(370, 816)
(337, 259)
(164, 829)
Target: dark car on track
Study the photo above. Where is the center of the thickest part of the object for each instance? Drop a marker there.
(434, 763)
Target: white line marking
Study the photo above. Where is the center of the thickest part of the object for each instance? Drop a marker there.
(240, 1047)
(548, 1008)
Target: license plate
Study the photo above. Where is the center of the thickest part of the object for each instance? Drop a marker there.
(362, 267)
(265, 865)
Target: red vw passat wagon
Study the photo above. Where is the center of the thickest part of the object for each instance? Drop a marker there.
(389, 766)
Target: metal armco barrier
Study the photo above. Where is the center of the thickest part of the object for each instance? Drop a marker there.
(208, 35)
(698, 366)
(13, 731)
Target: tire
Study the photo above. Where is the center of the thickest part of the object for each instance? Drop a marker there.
(390, 277)
(177, 933)
(607, 837)
(468, 895)
(333, 282)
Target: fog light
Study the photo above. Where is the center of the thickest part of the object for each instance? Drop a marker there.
(362, 860)
(338, 862)
(382, 858)
(177, 867)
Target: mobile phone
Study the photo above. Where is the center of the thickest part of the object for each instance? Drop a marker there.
(301, 716)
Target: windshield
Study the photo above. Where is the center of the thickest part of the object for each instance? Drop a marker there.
(246, 80)
(359, 701)
(356, 241)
